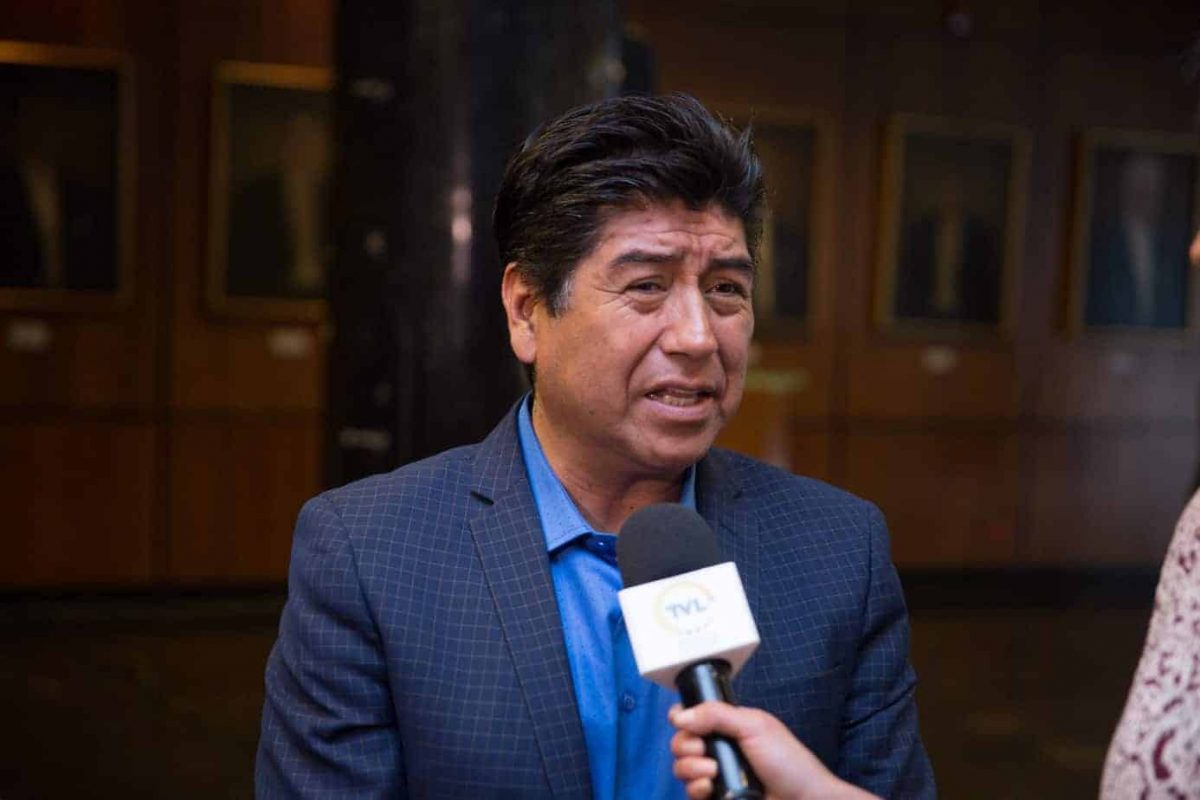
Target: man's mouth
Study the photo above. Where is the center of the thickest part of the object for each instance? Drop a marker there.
(680, 398)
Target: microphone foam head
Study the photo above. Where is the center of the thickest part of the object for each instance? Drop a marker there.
(664, 540)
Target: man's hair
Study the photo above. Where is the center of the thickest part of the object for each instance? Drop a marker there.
(574, 172)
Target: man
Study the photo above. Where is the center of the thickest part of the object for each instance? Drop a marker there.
(452, 628)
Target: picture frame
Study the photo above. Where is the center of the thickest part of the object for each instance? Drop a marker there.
(951, 226)
(269, 225)
(796, 148)
(66, 178)
(1135, 209)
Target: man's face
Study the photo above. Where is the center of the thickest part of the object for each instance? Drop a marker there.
(638, 374)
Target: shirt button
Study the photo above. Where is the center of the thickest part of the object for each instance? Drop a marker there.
(628, 702)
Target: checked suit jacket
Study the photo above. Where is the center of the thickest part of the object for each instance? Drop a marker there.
(420, 652)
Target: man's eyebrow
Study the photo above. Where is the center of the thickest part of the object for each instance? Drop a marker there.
(646, 257)
(738, 263)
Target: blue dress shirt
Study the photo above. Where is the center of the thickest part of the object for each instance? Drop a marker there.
(624, 715)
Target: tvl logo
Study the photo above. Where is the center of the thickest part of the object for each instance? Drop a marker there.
(693, 606)
(685, 607)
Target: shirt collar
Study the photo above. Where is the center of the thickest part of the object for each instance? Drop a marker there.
(562, 523)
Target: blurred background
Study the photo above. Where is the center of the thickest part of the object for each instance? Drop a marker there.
(246, 255)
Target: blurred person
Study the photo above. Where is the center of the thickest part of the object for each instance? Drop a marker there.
(1155, 751)
(950, 262)
(57, 224)
(787, 769)
(278, 226)
(452, 628)
(1136, 275)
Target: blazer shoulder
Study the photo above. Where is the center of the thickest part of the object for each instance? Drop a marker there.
(797, 514)
(765, 484)
(415, 491)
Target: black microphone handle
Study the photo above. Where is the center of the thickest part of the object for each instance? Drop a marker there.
(709, 680)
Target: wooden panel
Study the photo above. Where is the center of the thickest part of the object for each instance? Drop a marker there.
(932, 379)
(1099, 375)
(950, 497)
(225, 364)
(105, 360)
(91, 22)
(248, 366)
(987, 20)
(1119, 91)
(1107, 377)
(807, 59)
(87, 363)
(932, 73)
(784, 416)
(77, 496)
(294, 29)
(82, 486)
(237, 484)
(801, 373)
(1108, 496)
(1162, 29)
(764, 430)
(893, 376)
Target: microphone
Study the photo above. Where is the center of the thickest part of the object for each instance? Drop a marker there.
(688, 621)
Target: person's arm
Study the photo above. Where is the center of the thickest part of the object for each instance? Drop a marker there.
(328, 725)
(1158, 724)
(787, 769)
(880, 747)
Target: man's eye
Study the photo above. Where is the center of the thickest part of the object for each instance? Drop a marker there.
(730, 288)
(645, 286)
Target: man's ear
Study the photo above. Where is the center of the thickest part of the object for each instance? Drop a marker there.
(520, 301)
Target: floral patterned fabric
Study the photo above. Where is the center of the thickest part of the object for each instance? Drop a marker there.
(1156, 750)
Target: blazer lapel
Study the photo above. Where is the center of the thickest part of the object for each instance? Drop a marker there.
(512, 549)
(719, 499)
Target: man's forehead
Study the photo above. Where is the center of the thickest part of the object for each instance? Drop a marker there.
(671, 225)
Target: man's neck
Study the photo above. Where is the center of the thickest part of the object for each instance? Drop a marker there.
(607, 505)
(605, 494)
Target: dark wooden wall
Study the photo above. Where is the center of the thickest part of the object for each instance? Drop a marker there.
(162, 444)
(1043, 449)
(242, 443)
(80, 424)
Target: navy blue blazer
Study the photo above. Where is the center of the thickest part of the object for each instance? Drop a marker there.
(420, 652)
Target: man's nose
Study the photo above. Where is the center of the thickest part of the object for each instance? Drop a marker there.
(689, 329)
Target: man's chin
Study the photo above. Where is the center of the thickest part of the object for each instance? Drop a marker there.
(670, 459)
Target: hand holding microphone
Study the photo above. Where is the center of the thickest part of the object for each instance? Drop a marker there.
(689, 623)
(789, 771)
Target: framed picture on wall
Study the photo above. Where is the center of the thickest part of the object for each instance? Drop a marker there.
(795, 149)
(269, 227)
(951, 225)
(66, 160)
(1137, 206)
